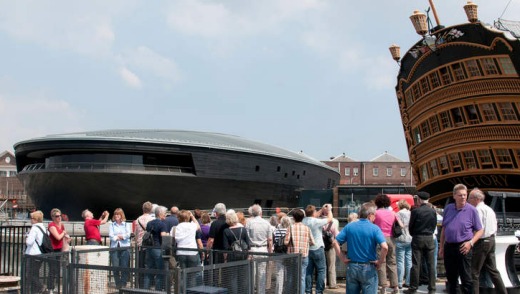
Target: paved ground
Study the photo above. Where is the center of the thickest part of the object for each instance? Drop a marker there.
(341, 283)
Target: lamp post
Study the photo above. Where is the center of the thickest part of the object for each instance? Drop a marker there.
(471, 11)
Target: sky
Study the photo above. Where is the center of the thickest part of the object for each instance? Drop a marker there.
(305, 75)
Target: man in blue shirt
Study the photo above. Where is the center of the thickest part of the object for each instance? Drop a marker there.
(362, 238)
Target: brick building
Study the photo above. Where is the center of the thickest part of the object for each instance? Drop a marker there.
(385, 169)
(13, 198)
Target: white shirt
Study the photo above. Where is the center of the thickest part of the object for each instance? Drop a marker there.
(35, 235)
(488, 219)
(185, 237)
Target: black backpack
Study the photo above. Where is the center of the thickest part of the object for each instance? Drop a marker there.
(147, 237)
(328, 237)
(279, 244)
(46, 245)
(238, 245)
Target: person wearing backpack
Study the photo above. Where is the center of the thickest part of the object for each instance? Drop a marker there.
(236, 240)
(33, 241)
(280, 247)
(330, 231)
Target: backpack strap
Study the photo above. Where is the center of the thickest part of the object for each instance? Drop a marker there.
(41, 230)
(328, 227)
(144, 229)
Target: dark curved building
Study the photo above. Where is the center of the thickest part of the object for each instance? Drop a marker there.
(103, 170)
(458, 90)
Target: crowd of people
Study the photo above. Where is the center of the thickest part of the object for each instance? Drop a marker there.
(376, 259)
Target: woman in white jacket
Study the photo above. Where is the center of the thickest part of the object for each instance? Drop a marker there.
(33, 240)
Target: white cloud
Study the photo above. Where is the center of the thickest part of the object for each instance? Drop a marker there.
(26, 116)
(149, 62)
(130, 78)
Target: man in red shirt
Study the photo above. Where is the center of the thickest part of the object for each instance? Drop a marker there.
(91, 226)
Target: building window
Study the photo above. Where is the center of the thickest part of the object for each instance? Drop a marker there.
(434, 168)
(347, 171)
(445, 120)
(488, 112)
(469, 160)
(375, 171)
(355, 172)
(403, 171)
(504, 159)
(507, 66)
(484, 157)
(490, 68)
(388, 171)
(507, 111)
(473, 69)
(434, 124)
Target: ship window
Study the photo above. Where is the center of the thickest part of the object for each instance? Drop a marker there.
(304, 172)
(517, 154)
(473, 69)
(388, 171)
(457, 117)
(424, 172)
(490, 68)
(471, 113)
(403, 171)
(293, 173)
(257, 168)
(488, 112)
(504, 159)
(434, 168)
(416, 91)
(507, 111)
(507, 66)
(279, 168)
(409, 98)
(458, 70)
(445, 120)
(455, 162)
(485, 159)
(425, 129)
(285, 175)
(445, 75)
(417, 135)
(469, 160)
(298, 177)
(434, 124)
(443, 162)
(425, 86)
(434, 80)
(375, 171)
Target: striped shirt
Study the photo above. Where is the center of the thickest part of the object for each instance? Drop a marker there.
(299, 237)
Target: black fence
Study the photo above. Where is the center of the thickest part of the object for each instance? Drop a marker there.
(90, 269)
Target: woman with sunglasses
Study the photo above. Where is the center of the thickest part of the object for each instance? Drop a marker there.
(57, 235)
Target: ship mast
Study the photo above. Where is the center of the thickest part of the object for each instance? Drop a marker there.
(434, 10)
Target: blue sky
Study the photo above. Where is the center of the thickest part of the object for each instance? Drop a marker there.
(306, 75)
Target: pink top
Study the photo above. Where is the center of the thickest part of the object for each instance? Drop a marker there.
(384, 220)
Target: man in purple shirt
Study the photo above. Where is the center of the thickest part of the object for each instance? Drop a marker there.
(461, 229)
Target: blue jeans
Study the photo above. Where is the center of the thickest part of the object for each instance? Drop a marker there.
(316, 261)
(121, 259)
(361, 278)
(305, 263)
(403, 254)
(154, 261)
(187, 261)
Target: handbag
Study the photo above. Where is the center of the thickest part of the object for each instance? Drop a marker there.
(396, 229)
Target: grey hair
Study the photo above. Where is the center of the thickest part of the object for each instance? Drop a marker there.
(256, 210)
(220, 208)
(478, 194)
(159, 210)
(285, 222)
(231, 217)
(459, 187)
(366, 209)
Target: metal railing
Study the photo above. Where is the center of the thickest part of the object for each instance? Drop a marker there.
(90, 269)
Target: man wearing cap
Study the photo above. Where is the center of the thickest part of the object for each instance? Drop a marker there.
(484, 248)
(423, 221)
(461, 230)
